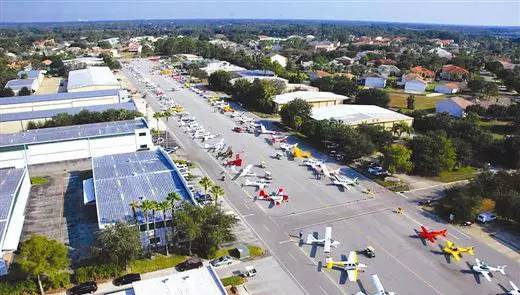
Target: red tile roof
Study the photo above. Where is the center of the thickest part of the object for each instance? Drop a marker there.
(452, 69)
(423, 71)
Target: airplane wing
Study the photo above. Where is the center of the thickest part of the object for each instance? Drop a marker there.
(352, 257)
(431, 238)
(352, 275)
(456, 255)
(245, 170)
(377, 284)
(328, 237)
(486, 275)
(515, 288)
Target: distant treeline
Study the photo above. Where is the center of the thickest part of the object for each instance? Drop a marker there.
(85, 117)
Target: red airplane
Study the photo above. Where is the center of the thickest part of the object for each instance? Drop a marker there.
(431, 235)
(275, 139)
(236, 162)
(275, 197)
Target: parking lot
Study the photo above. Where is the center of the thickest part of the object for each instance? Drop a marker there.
(56, 209)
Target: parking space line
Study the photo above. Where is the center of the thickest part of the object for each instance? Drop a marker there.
(266, 227)
(323, 290)
(290, 255)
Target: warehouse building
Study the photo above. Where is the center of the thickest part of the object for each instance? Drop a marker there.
(31, 103)
(17, 84)
(18, 122)
(354, 115)
(48, 145)
(119, 179)
(197, 281)
(14, 192)
(93, 78)
(316, 99)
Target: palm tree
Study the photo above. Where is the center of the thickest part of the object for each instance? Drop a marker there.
(146, 205)
(135, 205)
(206, 184)
(158, 116)
(173, 198)
(166, 114)
(401, 127)
(154, 208)
(164, 206)
(217, 191)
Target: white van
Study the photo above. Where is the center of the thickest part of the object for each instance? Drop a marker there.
(486, 217)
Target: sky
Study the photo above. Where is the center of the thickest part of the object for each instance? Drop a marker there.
(465, 12)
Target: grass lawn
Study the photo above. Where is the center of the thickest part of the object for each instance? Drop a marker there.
(499, 129)
(456, 175)
(254, 251)
(156, 263)
(39, 180)
(398, 100)
(233, 281)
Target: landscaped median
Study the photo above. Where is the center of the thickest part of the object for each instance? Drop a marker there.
(233, 281)
(254, 252)
(39, 180)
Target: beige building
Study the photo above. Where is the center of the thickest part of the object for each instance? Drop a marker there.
(354, 115)
(315, 98)
(90, 79)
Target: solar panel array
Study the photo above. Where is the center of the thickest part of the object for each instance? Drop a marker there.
(123, 178)
(9, 180)
(59, 96)
(72, 132)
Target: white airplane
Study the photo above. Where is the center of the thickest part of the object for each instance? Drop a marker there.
(379, 287)
(288, 147)
(244, 119)
(482, 268)
(215, 146)
(257, 183)
(351, 265)
(246, 171)
(264, 130)
(515, 290)
(345, 182)
(326, 242)
(328, 172)
(312, 162)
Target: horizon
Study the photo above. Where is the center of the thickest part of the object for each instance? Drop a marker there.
(485, 13)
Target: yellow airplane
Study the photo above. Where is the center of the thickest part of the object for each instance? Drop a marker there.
(177, 109)
(456, 252)
(298, 153)
(351, 265)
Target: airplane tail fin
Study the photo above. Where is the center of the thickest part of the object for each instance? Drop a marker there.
(444, 232)
(471, 251)
(502, 269)
(329, 262)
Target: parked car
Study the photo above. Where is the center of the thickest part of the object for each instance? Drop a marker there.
(249, 271)
(377, 170)
(224, 260)
(191, 263)
(486, 217)
(127, 279)
(84, 288)
(369, 252)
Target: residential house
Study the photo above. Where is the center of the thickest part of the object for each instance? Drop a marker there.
(134, 47)
(424, 73)
(388, 70)
(318, 74)
(17, 84)
(280, 59)
(345, 60)
(373, 80)
(325, 45)
(413, 83)
(455, 106)
(441, 53)
(454, 73)
(447, 88)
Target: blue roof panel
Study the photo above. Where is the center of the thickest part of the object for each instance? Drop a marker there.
(58, 96)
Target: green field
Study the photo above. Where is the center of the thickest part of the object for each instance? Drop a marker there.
(456, 175)
(254, 251)
(422, 102)
(156, 263)
(233, 281)
(499, 129)
(39, 180)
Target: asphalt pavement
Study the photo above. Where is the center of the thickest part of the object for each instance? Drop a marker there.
(404, 264)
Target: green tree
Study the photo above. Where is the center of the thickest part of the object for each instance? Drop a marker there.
(373, 97)
(344, 86)
(401, 127)
(241, 89)
(217, 191)
(6, 92)
(24, 91)
(164, 206)
(134, 205)
(117, 244)
(476, 84)
(41, 257)
(460, 202)
(396, 158)
(219, 81)
(146, 206)
(295, 109)
(206, 183)
(410, 102)
(154, 206)
(167, 115)
(157, 116)
(104, 44)
(187, 221)
(432, 154)
(173, 198)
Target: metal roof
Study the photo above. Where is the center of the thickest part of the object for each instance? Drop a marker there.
(130, 106)
(43, 135)
(309, 96)
(356, 114)
(9, 182)
(19, 83)
(93, 76)
(122, 178)
(59, 96)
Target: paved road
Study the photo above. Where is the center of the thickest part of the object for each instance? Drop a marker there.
(403, 263)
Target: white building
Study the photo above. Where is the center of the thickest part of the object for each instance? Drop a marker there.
(387, 70)
(447, 88)
(199, 281)
(48, 145)
(353, 115)
(316, 99)
(33, 74)
(455, 106)
(375, 81)
(17, 84)
(280, 59)
(214, 66)
(15, 185)
(441, 53)
(93, 78)
(85, 60)
(414, 84)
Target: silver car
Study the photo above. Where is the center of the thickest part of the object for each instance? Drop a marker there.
(224, 260)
